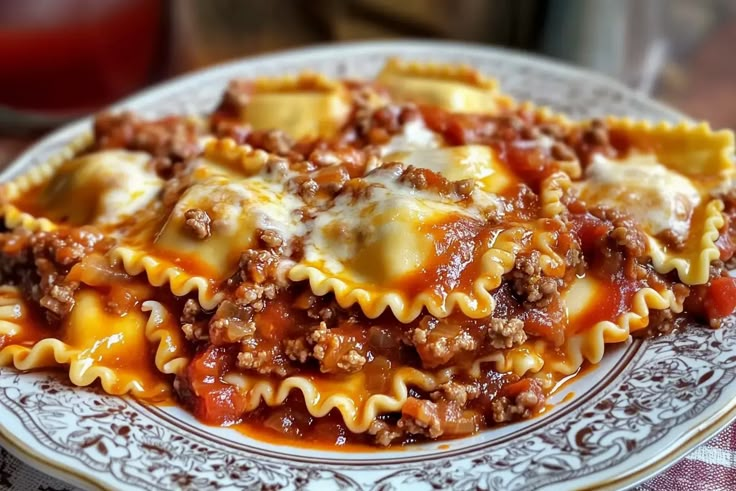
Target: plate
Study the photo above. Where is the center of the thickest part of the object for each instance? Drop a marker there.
(642, 408)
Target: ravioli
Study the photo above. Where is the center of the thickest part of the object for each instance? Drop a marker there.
(389, 245)
(100, 188)
(94, 344)
(238, 210)
(454, 88)
(660, 199)
(667, 191)
(306, 106)
(478, 162)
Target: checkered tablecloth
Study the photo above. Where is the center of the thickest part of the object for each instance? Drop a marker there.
(712, 467)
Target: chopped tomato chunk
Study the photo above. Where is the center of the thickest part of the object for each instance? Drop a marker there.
(721, 299)
(213, 400)
(590, 229)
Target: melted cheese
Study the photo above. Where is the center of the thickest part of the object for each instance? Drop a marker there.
(414, 136)
(407, 250)
(237, 210)
(659, 198)
(477, 162)
(379, 239)
(101, 188)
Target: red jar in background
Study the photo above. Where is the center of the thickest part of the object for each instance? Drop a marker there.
(62, 58)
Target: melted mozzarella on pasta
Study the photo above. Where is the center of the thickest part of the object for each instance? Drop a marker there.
(238, 209)
(101, 188)
(660, 198)
(393, 246)
(414, 136)
(477, 162)
(378, 239)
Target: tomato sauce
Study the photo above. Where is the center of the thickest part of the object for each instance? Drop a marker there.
(457, 243)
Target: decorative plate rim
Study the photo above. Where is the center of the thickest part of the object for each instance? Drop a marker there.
(701, 435)
(685, 443)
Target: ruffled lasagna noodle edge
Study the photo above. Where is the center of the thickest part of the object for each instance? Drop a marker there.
(697, 271)
(552, 190)
(37, 175)
(590, 345)
(496, 262)
(528, 358)
(718, 160)
(671, 138)
(160, 328)
(180, 283)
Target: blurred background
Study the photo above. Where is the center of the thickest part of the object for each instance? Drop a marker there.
(60, 59)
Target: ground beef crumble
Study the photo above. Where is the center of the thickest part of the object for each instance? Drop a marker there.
(506, 333)
(456, 392)
(298, 349)
(265, 362)
(596, 133)
(257, 266)
(437, 347)
(198, 222)
(174, 138)
(521, 406)
(531, 284)
(192, 323)
(272, 141)
(39, 262)
(329, 350)
(457, 408)
(384, 433)
(334, 350)
(423, 421)
(382, 123)
(617, 243)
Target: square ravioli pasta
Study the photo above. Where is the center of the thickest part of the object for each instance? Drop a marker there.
(377, 262)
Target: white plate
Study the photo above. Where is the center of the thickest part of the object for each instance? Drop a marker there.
(646, 405)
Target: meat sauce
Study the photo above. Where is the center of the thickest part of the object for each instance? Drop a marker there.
(273, 330)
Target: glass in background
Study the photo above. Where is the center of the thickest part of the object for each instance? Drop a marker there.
(64, 58)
